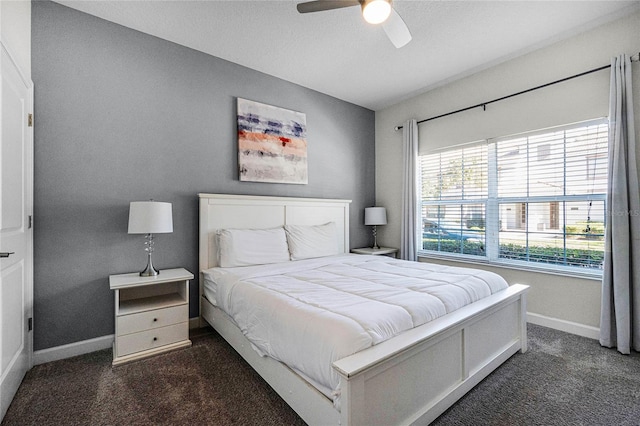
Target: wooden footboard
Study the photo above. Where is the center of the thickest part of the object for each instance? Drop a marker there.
(415, 377)
(412, 378)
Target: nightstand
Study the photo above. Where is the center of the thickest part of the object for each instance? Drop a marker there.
(385, 251)
(151, 314)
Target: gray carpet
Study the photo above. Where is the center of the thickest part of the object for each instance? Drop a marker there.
(562, 380)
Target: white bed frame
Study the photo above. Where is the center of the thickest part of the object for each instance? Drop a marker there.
(411, 378)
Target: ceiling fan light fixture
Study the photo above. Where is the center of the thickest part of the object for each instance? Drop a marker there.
(376, 11)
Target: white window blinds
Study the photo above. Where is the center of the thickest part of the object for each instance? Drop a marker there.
(535, 197)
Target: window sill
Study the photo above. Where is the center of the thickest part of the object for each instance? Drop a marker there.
(521, 266)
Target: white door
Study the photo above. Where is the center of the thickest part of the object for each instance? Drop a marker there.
(16, 248)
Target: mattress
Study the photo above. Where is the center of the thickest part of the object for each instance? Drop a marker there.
(310, 313)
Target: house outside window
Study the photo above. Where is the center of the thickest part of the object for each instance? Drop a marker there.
(535, 198)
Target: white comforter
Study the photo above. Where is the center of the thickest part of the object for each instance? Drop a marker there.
(313, 312)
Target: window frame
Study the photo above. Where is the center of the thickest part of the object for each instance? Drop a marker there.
(492, 215)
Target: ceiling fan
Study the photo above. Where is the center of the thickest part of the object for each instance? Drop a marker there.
(373, 11)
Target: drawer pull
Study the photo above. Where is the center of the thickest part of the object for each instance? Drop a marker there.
(155, 319)
(155, 338)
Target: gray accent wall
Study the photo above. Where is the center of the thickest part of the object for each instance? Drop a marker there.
(122, 116)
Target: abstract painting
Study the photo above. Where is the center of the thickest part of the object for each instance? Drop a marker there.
(272, 144)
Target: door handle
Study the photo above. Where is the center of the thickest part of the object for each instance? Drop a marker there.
(6, 254)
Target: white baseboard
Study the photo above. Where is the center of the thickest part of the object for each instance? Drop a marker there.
(72, 349)
(106, 342)
(85, 347)
(564, 325)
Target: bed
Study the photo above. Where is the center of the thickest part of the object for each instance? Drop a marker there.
(411, 377)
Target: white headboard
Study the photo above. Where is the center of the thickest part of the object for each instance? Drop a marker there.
(223, 211)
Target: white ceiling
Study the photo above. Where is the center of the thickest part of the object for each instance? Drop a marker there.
(337, 53)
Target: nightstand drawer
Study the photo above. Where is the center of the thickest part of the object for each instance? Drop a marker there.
(137, 342)
(133, 323)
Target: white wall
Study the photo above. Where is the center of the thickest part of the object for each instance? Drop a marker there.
(15, 32)
(570, 300)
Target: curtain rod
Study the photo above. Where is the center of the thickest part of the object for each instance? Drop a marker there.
(484, 104)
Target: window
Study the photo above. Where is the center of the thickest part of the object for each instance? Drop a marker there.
(537, 197)
(454, 199)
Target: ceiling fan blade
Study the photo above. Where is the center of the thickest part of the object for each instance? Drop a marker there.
(321, 5)
(396, 30)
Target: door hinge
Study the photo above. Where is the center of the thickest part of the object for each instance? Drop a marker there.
(30, 324)
(30, 222)
(30, 120)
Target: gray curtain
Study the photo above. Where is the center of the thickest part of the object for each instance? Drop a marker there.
(410, 212)
(620, 315)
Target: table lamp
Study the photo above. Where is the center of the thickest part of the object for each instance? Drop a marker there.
(150, 217)
(375, 216)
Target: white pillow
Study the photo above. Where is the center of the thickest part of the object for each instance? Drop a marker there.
(306, 242)
(245, 247)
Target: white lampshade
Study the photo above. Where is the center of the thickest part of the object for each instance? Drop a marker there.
(375, 216)
(150, 217)
(376, 11)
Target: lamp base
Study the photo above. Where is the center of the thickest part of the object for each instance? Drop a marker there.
(375, 239)
(149, 271)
